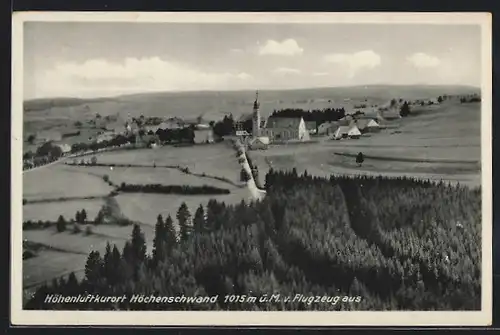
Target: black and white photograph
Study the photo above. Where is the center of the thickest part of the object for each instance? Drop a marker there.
(243, 168)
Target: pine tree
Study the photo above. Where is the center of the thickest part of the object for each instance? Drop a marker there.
(184, 219)
(99, 219)
(138, 244)
(72, 284)
(405, 109)
(61, 224)
(170, 233)
(115, 265)
(93, 268)
(78, 217)
(108, 263)
(159, 240)
(83, 215)
(199, 224)
(360, 159)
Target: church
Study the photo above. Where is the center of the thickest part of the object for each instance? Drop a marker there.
(277, 129)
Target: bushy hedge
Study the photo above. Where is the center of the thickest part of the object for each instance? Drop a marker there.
(172, 189)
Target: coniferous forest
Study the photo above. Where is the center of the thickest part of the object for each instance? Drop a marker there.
(386, 244)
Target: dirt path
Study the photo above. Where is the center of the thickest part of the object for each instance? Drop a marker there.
(256, 193)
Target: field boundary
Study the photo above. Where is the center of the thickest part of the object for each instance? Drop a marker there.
(175, 167)
(63, 199)
(407, 159)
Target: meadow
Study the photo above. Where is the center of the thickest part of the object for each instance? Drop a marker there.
(50, 211)
(215, 160)
(56, 181)
(149, 175)
(66, 252)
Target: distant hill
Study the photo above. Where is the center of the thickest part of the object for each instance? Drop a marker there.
(47, 103)
(213, 105)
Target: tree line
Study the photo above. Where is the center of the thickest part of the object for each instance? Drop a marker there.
(399, 244)
(172, 189)
(318, 115)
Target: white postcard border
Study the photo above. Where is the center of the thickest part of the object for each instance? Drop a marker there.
(240, 318)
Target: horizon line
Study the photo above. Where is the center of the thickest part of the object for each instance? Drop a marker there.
(246, 90)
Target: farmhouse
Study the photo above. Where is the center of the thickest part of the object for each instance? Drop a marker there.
(346, 132)
(203, 136)
(258, 143)
(367, 125)
(327, 128)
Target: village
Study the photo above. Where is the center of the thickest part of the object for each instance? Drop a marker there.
(252, 129)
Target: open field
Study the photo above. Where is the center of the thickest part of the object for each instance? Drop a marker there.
(50, 264)
(73, 250)
(215, 160)
(50, 211)
(149, 175)
(55, 182)
(146, 207)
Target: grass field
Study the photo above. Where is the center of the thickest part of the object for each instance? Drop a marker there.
(72, 250)
(148, 175)
(215, 160)
(146, 207)
(56, 181)
(51, 211)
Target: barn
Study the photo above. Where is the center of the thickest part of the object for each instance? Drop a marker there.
(285, 129)
(346, 132)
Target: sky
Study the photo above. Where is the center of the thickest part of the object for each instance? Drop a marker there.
(84, 59)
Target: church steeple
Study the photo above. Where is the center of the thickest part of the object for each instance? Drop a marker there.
(256, 116)
(256, 104)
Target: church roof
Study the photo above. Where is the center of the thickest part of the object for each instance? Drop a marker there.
(244, 117)
(283, 122)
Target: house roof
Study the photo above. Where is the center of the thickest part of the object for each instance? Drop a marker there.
(260, 140)
(354, 131)
(365, 123)
(342, 130)
(283, 122)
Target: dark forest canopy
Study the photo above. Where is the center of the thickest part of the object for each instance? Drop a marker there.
(317, 115)
(396, 244)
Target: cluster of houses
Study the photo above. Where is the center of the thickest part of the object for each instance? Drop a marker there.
(278, 129)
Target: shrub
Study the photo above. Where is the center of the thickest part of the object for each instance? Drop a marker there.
(88, 230)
